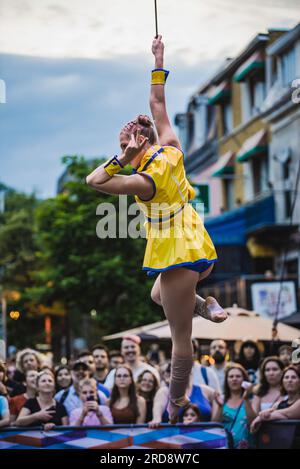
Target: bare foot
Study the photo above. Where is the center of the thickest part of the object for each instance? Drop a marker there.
(174, 406)
(215, 312)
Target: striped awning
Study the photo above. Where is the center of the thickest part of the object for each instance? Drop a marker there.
(256, 145)
(218, 93)
(224, 165)
(254, 64)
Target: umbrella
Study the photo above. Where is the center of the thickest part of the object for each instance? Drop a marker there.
(140, 331)
(240, 325)
(292, 319)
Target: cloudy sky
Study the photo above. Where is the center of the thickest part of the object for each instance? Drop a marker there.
(77, 70)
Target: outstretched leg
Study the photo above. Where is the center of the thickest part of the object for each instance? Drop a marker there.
(208, 308)
(177, 295)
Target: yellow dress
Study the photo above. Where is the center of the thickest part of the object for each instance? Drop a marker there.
(175, 233)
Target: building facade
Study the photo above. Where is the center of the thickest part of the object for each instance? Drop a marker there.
(241, 135)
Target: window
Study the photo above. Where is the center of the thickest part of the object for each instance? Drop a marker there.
(190, 129)
(227, 118)
(287, 189)
(257, 93)
(274, 70)
(211, 124)
(259, 175)
(288, 67)
(199, 113)
(229, 193)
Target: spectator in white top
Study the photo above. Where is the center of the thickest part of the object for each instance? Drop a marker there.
(218, 351)
(131, 352)
(70, 397)
(268, 391)
(202, 374)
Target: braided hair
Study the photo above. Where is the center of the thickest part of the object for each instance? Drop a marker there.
(144, 125)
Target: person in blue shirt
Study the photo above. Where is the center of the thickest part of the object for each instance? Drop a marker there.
(4, 412)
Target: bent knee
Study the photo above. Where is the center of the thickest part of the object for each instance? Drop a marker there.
(206, 272)
(155, 296)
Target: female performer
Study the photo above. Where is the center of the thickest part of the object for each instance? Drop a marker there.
(178, 247)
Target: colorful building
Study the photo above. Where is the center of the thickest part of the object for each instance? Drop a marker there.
(241, 139)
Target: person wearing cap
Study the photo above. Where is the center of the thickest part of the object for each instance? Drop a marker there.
(87, 357)
(70, 397)
(131, 352)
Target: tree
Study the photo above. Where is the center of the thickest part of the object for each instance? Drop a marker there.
(82, 271)
(18, 263)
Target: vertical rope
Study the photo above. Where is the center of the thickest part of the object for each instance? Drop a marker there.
(156, 25)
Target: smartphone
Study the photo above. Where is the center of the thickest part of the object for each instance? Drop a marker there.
(90, 398)
(246, 385)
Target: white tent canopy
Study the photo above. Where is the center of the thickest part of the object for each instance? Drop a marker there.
(240, 325)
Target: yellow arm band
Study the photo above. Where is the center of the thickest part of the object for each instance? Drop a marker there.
(113, 166)
(159, 76)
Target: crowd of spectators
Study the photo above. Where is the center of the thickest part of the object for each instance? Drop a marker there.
(102, 387)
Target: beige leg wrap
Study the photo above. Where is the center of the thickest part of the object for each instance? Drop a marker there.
(180, 374)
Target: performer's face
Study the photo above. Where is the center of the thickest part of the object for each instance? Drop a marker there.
(124, 140)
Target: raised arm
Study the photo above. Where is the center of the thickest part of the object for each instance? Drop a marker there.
(166, 134)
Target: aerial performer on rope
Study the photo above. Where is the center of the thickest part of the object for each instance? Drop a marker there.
(179, 249)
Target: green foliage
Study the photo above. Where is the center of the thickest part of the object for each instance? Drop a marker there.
(53, 255)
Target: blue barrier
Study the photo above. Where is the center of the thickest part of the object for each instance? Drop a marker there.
(195, 436)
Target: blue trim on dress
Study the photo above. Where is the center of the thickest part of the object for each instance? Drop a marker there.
(152, 158)
(159, 220)
(198, 266)
(114, 160)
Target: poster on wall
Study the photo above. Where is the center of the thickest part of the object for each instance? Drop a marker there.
(265, 299)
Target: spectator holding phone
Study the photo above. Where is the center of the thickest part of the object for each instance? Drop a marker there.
(91, 413)
(70, 397)
(43, 409)
(234, 410)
